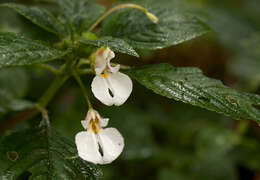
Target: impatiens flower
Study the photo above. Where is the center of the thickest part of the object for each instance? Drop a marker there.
(98, 145)
(109, 85)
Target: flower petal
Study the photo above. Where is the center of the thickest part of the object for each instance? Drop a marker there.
(103, 57)
(87, 146)
(118, 83)
(121, 87)
(85, 124)
(100, 90)
(100, 64)
(108, 54)
(113, 69)
(90, 115)
(112, 144)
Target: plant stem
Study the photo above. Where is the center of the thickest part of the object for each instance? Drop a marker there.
(45, 117)
(121, 6)
(48, 67)
(42, 103)
(85, 71)
(84, 90)
(51, 91)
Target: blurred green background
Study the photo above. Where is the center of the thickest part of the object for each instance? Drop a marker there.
(165, 139)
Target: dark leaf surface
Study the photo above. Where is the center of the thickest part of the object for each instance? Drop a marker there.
(117, 45)
(39, 16)
(16, 50)
(174, 27)
(189, 85)
(13, 87)
(42, 155)
(81, 14)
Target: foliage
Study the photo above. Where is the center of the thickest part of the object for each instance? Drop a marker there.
(165, 139)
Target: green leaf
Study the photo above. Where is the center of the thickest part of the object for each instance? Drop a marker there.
(40, 17)
(174, 27)
(13, 87)
(81, 14)
(189, 85)
(8, 102)
(15, 81)
(42, 153)
(241, 36)
(16, 50)
(117, 45)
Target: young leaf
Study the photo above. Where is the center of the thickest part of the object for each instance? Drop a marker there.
(42, 154)
(174, 27)
(189, 85)
(81, 14)
(40, 17)
(16, 50)
(117, 45)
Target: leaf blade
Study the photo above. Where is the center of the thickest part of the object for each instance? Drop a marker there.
(174, 27)
(40, 17)
(81, 14)
(28, 151)
(16, 50)
(189, 85)
(117, 45)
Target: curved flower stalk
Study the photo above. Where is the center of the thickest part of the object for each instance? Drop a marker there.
(109, 85)
(98, 145)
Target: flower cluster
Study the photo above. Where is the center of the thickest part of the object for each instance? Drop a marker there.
(98, 144)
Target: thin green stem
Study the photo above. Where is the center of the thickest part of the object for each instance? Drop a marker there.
(45, 117)
(42, 103)
(83, 61)
(49, 68)
(72, 157)
(121, 66)
(51, 91)
(84, 90)
(151, 16)
(85, 71)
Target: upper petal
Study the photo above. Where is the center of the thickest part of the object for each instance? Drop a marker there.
(100, 90)
(90, 115)
(100, 63)
(121, 86)
(103, 57)
(87, 146)
(112, 144)
(102, 121)
(113, 69)
(108, 54)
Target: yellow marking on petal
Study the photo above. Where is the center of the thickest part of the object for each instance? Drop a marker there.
(94, 126)
(104, 75)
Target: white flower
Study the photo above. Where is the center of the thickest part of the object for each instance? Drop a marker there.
(109, 85)
(98, 145)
